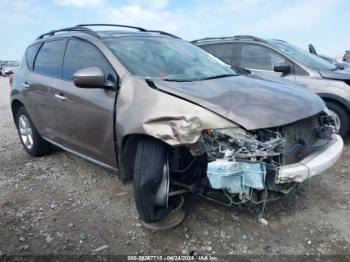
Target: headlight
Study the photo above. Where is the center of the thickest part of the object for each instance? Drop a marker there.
(242, 144)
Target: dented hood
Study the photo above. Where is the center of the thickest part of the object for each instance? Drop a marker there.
(250, 101)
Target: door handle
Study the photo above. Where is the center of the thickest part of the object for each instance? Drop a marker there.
(60, 97)
(25, 85)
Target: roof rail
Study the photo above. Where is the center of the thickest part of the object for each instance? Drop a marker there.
(163, 33)
(249, 37)
(116, 25)
(68, 29)
(133, 27)
(279, 40)
(210, 39)
(236, 37)
(84, 28)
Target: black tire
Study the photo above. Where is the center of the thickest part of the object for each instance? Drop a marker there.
(148, 172)
(39, 146)
(127, 159)
(343, 116)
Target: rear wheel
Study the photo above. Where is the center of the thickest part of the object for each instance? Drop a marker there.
(342, 117)
(151, 180)
(29, 136)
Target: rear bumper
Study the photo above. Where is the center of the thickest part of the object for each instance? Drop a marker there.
(314, 164)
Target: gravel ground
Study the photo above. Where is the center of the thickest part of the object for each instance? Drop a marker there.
(61, 204)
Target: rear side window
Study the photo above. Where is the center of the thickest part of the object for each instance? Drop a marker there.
(49, 59)
(80, 54)
(222, 51)
(31, 53)
(259, 57)
(236, 56)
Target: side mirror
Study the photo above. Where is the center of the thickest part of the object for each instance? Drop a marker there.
(282, 68)
(312, 49)
(90, 77)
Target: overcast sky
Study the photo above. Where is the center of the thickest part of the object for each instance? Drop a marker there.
(325, 23)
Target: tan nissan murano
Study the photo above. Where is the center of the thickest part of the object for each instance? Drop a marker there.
(172, 117)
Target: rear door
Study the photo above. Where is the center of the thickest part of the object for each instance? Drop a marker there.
(261, 60)
(46, 74)
(86, 115)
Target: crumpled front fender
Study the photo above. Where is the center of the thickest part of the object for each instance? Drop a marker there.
(174, 130)
(142, 109)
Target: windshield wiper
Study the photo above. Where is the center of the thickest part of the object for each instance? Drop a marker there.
(198, 79)
(178, 80)
(217, 76)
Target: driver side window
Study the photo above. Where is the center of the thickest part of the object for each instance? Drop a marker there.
(80, 54)
(259, 57)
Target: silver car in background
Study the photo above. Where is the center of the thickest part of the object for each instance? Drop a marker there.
(279, 58)
(9, 68)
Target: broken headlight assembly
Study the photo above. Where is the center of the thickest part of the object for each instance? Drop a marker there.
(243, 145)
(237, 159)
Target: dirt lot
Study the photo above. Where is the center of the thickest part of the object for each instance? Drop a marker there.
(61, 204)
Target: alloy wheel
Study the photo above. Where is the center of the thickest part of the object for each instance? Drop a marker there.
(25, 131)
(337, 119)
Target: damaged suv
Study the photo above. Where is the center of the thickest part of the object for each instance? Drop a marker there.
(170, 116)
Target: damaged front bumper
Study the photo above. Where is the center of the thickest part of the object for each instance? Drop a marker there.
(314, 164)
(264, 164)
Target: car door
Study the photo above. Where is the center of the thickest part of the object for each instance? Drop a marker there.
(46, 70)
(86, 115)
(261, 60)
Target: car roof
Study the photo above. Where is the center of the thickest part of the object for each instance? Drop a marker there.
(85, 29)
(245, 38)
(237, 38)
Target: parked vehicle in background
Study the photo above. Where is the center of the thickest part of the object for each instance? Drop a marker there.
(2, 63)
(346, 57)
(279, 58)
(341, 65)
(170, 116)
(9, 68)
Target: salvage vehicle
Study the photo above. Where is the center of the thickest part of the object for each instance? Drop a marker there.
(172, 117)
(281, 59)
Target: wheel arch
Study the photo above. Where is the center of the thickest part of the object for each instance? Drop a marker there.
(15, 105)
(336, 99)
(127, 152)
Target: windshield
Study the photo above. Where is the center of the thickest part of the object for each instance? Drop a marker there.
(167, 58)
(303, 56)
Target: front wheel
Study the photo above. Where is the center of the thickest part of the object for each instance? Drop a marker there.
(342, 117)
(151, 180)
